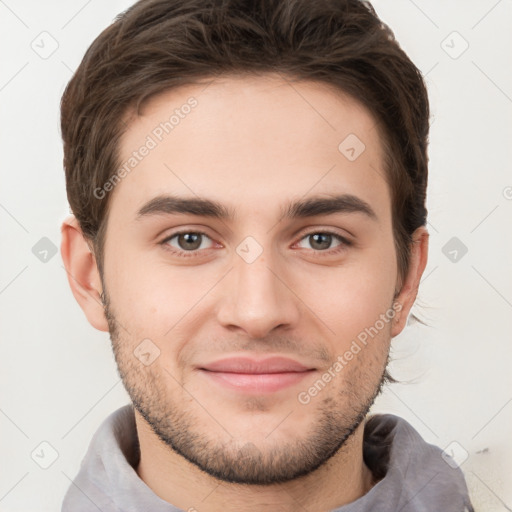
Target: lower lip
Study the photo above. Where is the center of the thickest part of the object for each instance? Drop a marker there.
(257, 383)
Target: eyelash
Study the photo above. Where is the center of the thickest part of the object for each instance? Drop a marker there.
(186, 254)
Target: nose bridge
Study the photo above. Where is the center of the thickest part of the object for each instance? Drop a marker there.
(259, 300)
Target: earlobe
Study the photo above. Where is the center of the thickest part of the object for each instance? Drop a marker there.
(82, 272)
(407, 295)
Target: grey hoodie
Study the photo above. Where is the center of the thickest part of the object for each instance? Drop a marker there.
(413, 475)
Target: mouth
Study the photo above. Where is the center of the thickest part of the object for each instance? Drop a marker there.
(252, 376)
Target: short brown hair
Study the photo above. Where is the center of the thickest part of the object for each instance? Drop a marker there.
(157, 45)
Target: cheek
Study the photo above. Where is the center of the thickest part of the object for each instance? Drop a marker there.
(150, 297)
(352, 297)
(164, 303)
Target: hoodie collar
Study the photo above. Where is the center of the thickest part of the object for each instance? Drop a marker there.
(413, 475)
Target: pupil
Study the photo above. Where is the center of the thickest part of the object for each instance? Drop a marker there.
(192, 240)
(317, 240)
(322, 241)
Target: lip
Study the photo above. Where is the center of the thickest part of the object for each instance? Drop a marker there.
(254, 366)
(263, 376)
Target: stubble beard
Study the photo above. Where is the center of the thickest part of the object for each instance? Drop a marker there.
(230, 461)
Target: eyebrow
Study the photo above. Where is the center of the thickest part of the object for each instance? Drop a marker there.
(313, 206)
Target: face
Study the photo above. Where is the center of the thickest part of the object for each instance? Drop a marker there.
(250, 272)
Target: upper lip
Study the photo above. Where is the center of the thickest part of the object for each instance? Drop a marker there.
(262, 366)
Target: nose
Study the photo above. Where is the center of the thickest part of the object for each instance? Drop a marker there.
(257, 298)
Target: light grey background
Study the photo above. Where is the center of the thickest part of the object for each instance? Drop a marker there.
(58, 379)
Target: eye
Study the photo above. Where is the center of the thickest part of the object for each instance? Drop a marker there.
(187, 241)
(322, 241)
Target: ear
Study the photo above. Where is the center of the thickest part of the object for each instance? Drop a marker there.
(409, 291)
(82, 270)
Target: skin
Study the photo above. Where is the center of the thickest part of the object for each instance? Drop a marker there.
(252, 144)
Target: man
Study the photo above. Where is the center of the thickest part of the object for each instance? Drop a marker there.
(248, 186)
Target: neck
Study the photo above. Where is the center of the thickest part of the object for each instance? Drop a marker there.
(342, 479)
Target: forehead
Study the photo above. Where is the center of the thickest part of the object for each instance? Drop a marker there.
(249, 140)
